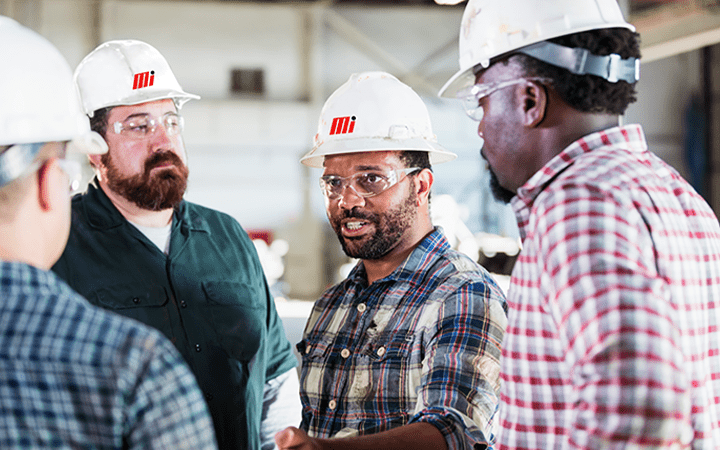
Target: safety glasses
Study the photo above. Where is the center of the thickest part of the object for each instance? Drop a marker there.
(472, 95)
(365, 184)
(144, 125)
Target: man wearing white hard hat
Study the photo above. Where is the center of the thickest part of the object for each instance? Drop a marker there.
(71, 375)
(404, 353)
(137, 248)
(612, 339)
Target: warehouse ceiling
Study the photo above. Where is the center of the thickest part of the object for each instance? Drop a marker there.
(667, 27)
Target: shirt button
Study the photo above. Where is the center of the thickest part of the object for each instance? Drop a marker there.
(380, 351)
(183, 304)
(361, 307)
(197, 347)
(345, 353)
(332, 404)
(136, 300)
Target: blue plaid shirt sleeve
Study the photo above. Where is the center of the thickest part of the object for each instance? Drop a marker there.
(460, 379)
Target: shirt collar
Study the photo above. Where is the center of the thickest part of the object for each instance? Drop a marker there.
(628, 137)
(428, 250)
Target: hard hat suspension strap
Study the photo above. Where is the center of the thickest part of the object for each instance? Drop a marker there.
(580, 61)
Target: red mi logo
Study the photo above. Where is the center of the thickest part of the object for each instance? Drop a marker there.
(144, 79)
(342, 125)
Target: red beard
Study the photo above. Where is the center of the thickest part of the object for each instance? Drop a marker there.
(155, 192)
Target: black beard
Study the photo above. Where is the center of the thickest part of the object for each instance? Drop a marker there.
(500, 193)
(389, 228)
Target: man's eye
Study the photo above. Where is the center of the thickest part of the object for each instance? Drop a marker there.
(333, 182)
(371, 178)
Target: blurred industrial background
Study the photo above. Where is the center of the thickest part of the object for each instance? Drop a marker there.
(265, 68)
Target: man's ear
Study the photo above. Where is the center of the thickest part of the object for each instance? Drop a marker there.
(95, 160)
(534, 100)
(423, 183)
(48, 184)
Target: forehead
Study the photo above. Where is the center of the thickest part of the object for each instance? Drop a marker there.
(155, 108)
(354, 162)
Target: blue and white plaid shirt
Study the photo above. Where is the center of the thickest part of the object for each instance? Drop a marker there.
(75, 376)
(420, 345)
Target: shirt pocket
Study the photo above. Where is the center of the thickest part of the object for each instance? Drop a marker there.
(147, 304)
(314, 351)
(395, 363)
(238, 315)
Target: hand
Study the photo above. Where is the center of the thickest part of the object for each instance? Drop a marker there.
(292, 438)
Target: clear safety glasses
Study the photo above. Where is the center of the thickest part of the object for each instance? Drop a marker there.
(472, 95)
(364, 184)
(144, 125)
(23, 153)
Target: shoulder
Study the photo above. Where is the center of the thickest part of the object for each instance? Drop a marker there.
(455, 275)
(82, 334)
(217, 222)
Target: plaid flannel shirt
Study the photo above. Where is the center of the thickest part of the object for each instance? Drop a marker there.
(73, 376)
(612, 338)
(420, 345)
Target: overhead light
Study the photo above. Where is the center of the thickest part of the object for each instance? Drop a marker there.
(448, 2)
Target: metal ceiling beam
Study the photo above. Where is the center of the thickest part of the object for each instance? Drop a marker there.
(678, 27)
(351, 34)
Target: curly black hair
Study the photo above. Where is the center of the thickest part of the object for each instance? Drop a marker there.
(589, 93)
(413, 158)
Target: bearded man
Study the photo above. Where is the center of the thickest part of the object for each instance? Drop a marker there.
(137, 248)
(404, 353)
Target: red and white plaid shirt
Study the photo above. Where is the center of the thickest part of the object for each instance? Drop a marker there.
(612, 338)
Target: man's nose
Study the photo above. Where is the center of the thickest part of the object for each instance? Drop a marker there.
(349, 197)
(161, 138)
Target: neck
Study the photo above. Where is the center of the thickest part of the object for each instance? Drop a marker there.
(377, 269)
(135, 214)
(566, 126)
(18, 244)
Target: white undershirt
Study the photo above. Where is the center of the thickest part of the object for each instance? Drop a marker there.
(159, 236)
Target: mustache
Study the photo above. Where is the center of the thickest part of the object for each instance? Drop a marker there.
(162, 158)
(356, 213)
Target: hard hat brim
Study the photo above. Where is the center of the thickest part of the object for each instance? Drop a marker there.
(316, 157)
(90, 143)
(180, 98)
(460, 80)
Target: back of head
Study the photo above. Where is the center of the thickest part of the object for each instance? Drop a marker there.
(374, 111)
(38, 104)
(585, 47)
(587, 92)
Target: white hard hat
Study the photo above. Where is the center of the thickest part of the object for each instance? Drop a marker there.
(491, 28)
(38, 100)
(126, 72)
(374, 111)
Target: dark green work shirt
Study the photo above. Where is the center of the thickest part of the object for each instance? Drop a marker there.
(208, 296)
